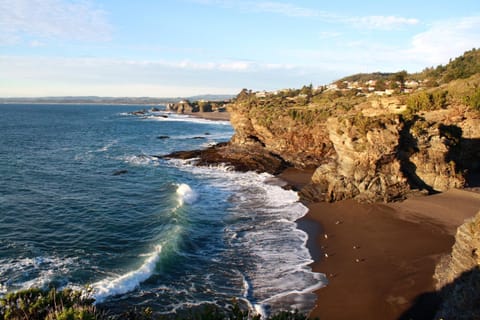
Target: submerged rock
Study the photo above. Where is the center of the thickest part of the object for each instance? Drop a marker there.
(120, 172)
(138, 113)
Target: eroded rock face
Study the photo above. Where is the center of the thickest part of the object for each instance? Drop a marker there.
(366, 164)
(458, 275)
(432, 158)
(369, 158)
(303, 146)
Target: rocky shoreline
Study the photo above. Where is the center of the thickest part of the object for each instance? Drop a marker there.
(344, 167)
(365, 262)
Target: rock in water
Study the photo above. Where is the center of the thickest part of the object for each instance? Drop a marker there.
(120, 172)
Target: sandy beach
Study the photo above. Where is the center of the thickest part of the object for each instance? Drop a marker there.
(380, 258)
(221, 116)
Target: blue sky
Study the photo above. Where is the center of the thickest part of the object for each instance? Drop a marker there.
(188, 47)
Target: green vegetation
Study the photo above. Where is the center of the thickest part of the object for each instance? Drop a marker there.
(306, 105)
(473, 100)
(312, 106)
(426, 101)
(365, 124)
(461, 67)
(363, 77)
(308, 116)
(37, 304)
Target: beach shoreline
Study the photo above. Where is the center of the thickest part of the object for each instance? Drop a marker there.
(381, 257)
(215, 116)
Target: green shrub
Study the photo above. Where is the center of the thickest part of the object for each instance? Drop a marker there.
(37, 304)
(473, 100)
(426, 101)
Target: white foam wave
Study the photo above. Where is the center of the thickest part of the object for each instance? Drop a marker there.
(107, 146)
(186, 194)
(36, 272)
(139, 160)
(262, 227)
(127, 282)
(185, 118)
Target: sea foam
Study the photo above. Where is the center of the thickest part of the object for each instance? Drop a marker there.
(139, 160)
(186, 194)
(185, 118)
(127, 282)
(275, 271)
(36, 272)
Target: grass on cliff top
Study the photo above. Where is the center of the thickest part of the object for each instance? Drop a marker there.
(459, 92)
(456, 84)
(306, 106)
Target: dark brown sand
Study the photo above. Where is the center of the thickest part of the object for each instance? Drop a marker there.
(224, 116)
(381, 257)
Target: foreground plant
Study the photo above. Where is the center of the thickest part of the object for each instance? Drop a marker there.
(67, 304)
(37, 304)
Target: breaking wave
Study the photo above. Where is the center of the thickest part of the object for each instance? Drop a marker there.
(129, 281)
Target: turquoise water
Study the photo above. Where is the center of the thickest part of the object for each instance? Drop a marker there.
(85, 204)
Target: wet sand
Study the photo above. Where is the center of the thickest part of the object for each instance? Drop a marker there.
(381, 257)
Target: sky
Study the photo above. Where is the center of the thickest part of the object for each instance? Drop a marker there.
(170, 48)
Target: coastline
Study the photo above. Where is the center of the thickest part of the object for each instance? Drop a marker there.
(216, 116)
(381, 257)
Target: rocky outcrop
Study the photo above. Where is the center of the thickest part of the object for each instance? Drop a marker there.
(356, 155)
(458, 275)
(365, 166)
(373, 149)
(185, 106)
(300, 144)
(251, 158)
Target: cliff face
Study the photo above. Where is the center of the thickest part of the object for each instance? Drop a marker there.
(301, 145)
(368, 152)
(365, 164)
(458, 275)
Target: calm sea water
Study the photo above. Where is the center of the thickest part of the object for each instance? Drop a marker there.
(84, 204)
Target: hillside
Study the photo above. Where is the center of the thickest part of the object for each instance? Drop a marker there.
(461, 67)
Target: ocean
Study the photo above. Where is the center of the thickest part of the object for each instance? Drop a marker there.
(85, 203)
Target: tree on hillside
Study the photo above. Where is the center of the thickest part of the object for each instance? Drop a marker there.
(341, 84)
(380, 85)
(400, 76)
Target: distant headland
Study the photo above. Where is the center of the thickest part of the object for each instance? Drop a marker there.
(114, 100)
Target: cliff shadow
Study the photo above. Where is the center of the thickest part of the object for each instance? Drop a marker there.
(464, 152)
(456, 300)
(407, 146)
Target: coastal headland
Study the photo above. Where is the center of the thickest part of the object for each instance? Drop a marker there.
(388, 178)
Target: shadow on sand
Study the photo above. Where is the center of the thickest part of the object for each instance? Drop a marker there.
(456, 300)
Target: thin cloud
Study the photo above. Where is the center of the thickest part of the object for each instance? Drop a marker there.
(293, 10)
(72, 75)
(329, 34)
(52, 19)
(383, 22)
(445, 39)
(286, 9)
